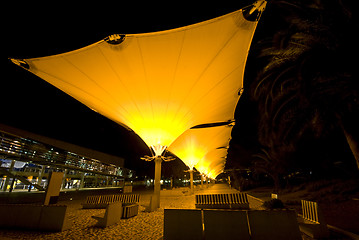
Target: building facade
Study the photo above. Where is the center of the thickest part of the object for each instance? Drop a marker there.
(27, 159)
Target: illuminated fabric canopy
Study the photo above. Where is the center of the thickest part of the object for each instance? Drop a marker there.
(192, 146)
(158, 84)
(212, 163)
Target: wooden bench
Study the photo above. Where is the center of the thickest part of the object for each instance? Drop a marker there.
(222, 201)
(129, 210)
(230, 224)
(98, 201)
(113, 214)
(313, 223)
(34, 217)
(101, 201)
(127, 198)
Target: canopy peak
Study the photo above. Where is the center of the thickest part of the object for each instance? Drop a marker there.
(115, 39)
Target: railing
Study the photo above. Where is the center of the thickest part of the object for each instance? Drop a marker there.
(21, 178)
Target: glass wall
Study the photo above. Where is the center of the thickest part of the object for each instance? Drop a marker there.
(25, 163)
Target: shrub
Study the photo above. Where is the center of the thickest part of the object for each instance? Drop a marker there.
(293, 202)
(273, 204)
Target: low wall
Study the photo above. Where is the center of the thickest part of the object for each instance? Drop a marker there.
(33, 217)
(230, 224)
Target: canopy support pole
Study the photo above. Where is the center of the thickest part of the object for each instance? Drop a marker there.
(191, 179)
(155, 202)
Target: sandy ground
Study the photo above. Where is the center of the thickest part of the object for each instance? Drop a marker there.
(145, 225)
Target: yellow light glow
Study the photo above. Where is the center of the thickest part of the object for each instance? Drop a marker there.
(212, 163)
(191, 152)
(158, 84)
(194, 144)
(158, 149)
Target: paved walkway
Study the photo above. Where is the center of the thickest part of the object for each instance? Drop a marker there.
(218, 188)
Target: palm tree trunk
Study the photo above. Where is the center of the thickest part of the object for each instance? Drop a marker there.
(353, 144)
(276, 182)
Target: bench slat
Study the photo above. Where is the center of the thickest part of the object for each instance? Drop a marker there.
(317, 228)
(130, 211)
(232, 200)
(310, 211)
(93, 199)
(106, 199)
(100, 201)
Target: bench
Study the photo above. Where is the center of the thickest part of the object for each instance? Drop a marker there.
(98, 201)
(129, 210)
(127, 198)
(113, 214)
(313, 223)
(129, 203)
(222, 201)
(230, 224)
(34, 217)
(101, 201)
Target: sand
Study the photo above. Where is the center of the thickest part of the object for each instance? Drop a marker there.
(146, 225)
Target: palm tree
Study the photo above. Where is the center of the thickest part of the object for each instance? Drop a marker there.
(307, 81)
(266, 162)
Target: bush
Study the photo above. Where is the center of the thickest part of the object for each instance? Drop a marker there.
(293, 202)
(273, 204)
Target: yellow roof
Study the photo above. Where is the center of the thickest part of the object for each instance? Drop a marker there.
(212, 163)
(158, 84)
(193, 145)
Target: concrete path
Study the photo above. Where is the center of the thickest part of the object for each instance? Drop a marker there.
(218, 188)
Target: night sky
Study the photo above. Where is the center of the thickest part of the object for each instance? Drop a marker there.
(32, 104)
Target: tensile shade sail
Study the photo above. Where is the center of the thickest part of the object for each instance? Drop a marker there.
(213, 163)
(158, 84)
(194, 144)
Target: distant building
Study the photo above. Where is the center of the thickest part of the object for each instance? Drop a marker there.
(27, 158)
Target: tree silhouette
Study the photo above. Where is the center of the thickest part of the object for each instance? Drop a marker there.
(306, 85)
